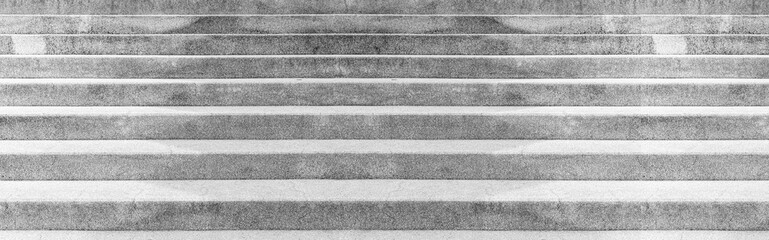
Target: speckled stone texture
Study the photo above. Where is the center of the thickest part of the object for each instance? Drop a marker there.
(617, 123)
(376, 44)
(404, 215)
(383, 235)
(493, 116)
(96, 7)
(413, 24)
(366, 66)
(384, 205)
(384, 92)
(384, 159)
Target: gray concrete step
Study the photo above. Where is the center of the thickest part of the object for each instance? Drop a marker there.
(385, 66)
(413, 24)
(384, 235)
(384, 92)
(385, 122)
(384, 205)
(545, 7)
(384, 159)
(386, 44)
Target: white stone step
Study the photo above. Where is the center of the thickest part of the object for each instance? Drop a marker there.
(384, 205)
(384, 159)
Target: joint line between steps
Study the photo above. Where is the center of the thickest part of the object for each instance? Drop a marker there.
(387, 34)
(382, 15)
(382, 56)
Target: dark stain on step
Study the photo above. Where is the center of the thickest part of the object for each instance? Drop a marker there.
(596, 90)
(212, 24)
(739, 90)
(180, 97)
(513, 98)
(480, 24)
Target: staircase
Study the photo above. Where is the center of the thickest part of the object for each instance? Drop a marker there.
(384, 119)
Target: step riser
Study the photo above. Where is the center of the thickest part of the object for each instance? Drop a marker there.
(385, 67)
(374, 126)
(383, 44)
(286, 215)
(383, 7)
(385, 166)
(384, 93)
(616, 24)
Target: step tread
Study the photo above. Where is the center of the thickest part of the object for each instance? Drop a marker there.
(384, 66)
(398, 44)
(384, 92)
(355, 23)
(385, 235)
(557, 147)
(384, 190)
(105, 81)
(618, 81)
(382, 110)
(384, 7)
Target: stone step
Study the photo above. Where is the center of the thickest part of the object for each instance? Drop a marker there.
(413, 24)
(384, 92)
(383, 235)
(385, 122)
(386, 44)
(384, 205)
(384, 159)
(542, 7)
(384, 66)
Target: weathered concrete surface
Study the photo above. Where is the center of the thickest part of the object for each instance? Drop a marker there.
(384, 235)
(384, 159)
(384, 92)
(414, 24)
(383, 7)
(384, 66)
(290, 122)
(384, 44)
(384, 205)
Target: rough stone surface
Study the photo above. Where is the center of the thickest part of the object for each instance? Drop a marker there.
(384, 205)
(384, 92)
(384, 44)
(384, 235)
(384, 159)
(286, 122)
(412, 24)
(215, 126)
(387, 66)
(383, 7)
